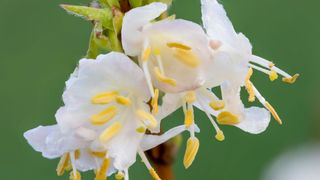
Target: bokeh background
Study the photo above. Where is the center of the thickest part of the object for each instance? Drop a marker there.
(40, 45)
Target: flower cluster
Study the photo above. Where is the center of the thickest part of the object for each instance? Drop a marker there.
(112, 100)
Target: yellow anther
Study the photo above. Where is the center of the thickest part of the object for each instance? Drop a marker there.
(217, 105)
(109, 132)
(77, 154)
(104, 98)
(154, 174)
(63, 164)
(271, 64)
(188, 119)
(191, 151)
(156, 51)
(102, 172)
(179, 46)
(154, 102)
(119, 175)
(190, 97)
(98, 154)
(227, 118)
(146, 54)
(273, 75)
(187, 57)
(220, 136)
(160, 77)
(249, 86)
(291, 80)
(77, 177)
(273, 112)
(104, 116)
(123, 100)
(147, 118)
(141, 129)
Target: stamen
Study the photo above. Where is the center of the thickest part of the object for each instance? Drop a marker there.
(273, 75)
(290, 80)
(119, 175)
(101, 174)
(148, 165)
(141, 129)
(187, 57)
(63, 164)
(179, 46)
(273, 112)
(220, 136)
(75, 175)
(147, 118)
(268, 64)
(267, 105)
(77, 154)
(98, 154)
(215, 44)
(154, 102)
(191, 151)
(227, 118)
(248, 85)
(217, 105)
(146, 54)
(109, 132)
(156, 51)
(188, 120)
(148, 77)
(154, 174)
(160, 77)
(104, 98)
(190, 97)
(104, 116)
(159, 61)
(123, 100)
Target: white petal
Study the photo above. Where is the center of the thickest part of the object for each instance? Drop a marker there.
(37, 138)
(170, 103)
(86, 161)
(216, 22)
(124, 146)
(256, 120)
(108, 72)
(133, 23)
(151, 141)
(231, 97)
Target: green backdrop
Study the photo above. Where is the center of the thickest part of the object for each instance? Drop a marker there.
(40, 45)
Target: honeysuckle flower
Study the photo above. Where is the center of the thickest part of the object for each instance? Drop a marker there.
(231, 68)
(173, 53)
(233, 58)
(103, 121)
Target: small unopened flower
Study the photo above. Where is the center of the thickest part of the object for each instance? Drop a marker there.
(172, 53)
(103, 122)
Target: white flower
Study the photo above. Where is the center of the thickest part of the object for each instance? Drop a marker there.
(103, 120)
(233, 58)
(231, 68)
(173, 53)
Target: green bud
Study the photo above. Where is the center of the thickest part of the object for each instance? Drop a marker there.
(92, 14)
(117, 20)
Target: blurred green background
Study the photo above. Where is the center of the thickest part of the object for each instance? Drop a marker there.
(40, 45)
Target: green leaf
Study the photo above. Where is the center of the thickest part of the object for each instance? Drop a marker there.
(113, 3)
(168, 2)
(92, 14)
(135, 3)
